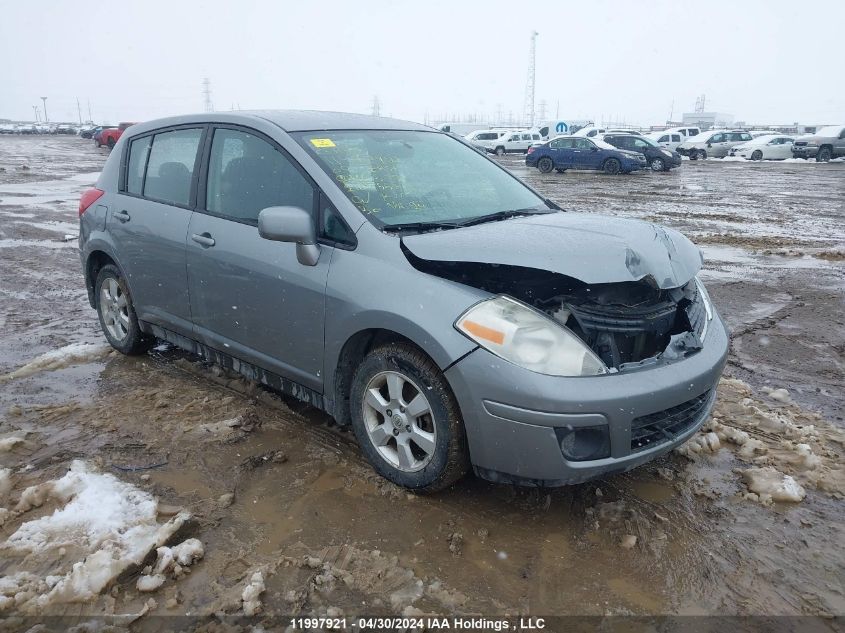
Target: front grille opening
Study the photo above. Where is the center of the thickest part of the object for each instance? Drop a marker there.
(633, 329)
(654, 429)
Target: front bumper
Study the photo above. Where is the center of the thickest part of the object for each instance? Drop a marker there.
(510, 414)
(805, 151)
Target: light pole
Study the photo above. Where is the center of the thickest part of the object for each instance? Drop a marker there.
(46, 118)
(35, 111)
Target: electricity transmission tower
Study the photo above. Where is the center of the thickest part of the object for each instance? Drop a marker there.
(528, 112)
(206, 93)
(699, 103)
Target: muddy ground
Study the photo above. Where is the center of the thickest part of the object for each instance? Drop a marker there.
(274, 487)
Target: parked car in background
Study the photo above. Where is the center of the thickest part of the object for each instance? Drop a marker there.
(658, 158)
(514, 142)
(713, 144)
(484, 139)
(592, 130)
(769, 147)
(578, 152)
(668, 140)
(110, 136)
(98, 134)
(504, 335)
(7, 128)
(825, 144)
(756, 133)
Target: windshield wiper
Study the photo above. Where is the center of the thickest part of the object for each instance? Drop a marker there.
(504, 215)
(419, 226)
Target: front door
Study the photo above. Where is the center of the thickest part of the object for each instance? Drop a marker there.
(589, 156)
(250, 297)
(149, 222)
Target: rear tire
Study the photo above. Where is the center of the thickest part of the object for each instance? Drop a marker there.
(757, 155)
(111, 143)
(500, 151)
(546, 165)
(824, 155)
(612, 166)
(390, 387)
(117, 313)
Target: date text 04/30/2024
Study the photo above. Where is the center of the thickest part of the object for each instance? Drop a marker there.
(428, 623)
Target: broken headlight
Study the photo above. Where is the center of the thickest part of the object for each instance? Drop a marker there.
(527, 338)
(708, 307)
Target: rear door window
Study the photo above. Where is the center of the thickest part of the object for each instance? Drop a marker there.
(171, 165)
(139, 149)
(246, 174)
(676, 138)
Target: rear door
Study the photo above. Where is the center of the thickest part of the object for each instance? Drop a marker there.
(149, 222)
(587, 155)
(250, 297)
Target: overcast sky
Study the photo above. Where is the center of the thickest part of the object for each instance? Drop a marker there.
(764, 62)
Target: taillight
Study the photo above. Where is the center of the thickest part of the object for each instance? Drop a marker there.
(88, 198)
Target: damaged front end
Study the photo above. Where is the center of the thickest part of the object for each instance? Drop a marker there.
(627, 324)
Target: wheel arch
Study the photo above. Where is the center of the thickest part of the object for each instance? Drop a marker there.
(352, 352)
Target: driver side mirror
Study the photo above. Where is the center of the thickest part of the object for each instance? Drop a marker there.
(291, 224)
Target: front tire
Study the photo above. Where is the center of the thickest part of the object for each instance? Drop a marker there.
(612, 166)
(407, 420)
(757, 155)
(702, 155)
(545, 165)
(117, 313)
(500, 151)
(657, 164)
(824, 155)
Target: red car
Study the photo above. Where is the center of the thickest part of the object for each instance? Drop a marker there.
(109, 136)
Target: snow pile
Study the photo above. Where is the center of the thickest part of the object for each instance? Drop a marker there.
(8, 442)
(73, 354)
(170, 559)
(104, 524)
(252, 594)
(769, 484)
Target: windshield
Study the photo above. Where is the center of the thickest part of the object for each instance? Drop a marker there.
(829, 130)
(401, 176)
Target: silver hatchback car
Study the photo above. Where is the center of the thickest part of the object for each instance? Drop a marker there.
(394, 277)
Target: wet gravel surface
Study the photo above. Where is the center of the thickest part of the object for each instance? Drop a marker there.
(332, 537)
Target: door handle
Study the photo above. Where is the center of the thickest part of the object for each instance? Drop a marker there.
(122, 216)
(205, 240)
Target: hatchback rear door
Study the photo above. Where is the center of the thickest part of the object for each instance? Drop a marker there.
(149, 222)
(250, 297)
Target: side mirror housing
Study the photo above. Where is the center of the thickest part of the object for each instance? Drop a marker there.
(291, 224)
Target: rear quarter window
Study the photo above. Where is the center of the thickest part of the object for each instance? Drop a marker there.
(139, 149)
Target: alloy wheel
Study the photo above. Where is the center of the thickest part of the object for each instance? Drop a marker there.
(114, 308)
(399, 421)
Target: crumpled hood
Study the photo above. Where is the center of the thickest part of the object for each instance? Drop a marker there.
(591, 248)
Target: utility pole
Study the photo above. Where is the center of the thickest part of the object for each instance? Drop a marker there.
(46, 118)
(35, 111)
(79, 110)
(90, 118)
(671, 112)
(376, 106)
(528, 112)
(206, 92)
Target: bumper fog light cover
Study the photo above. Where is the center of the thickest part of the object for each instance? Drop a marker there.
(584, 443)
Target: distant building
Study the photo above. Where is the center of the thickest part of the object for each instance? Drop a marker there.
(707, 120)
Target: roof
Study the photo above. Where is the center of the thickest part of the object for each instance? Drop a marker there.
(291, 120)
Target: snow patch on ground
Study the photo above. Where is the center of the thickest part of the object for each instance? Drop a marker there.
(251, 595)
(790, 449)
(102, 528)
(73, 354)
(769, 484)
(173, 560)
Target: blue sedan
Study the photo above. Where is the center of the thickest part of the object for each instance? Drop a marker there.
(578, 152)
